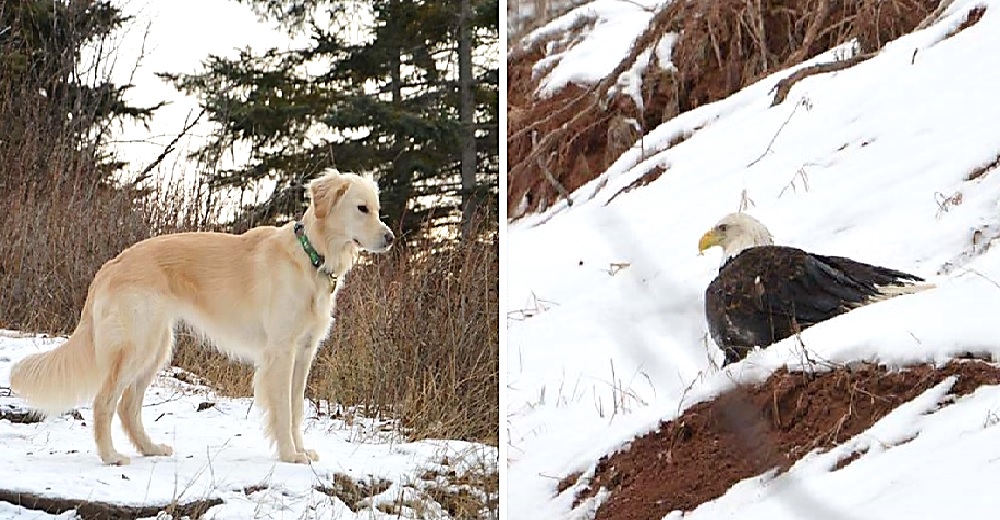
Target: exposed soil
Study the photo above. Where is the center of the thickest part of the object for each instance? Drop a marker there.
(749, 431)
(559, 143)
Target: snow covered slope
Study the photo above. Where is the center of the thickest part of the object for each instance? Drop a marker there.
(892, 162)
(220, 452)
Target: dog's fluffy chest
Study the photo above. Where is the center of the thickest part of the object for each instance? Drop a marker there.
(324, 299)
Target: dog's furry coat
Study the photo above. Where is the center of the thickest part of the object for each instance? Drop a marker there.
(257, 296)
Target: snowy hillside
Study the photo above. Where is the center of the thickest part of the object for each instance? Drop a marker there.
(892, 161)
(221, 456)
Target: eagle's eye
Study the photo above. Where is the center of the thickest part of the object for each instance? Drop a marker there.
(723, 227)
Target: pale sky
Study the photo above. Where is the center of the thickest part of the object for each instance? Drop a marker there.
(181, 34)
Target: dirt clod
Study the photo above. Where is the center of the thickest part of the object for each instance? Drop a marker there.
(751, 430)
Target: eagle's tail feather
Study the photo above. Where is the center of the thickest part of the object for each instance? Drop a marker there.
(884, 292)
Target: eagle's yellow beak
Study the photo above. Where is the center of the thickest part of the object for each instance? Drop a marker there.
(708, 240)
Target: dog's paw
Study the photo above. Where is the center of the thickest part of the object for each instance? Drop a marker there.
(158, 450)
(313, 456)
(295, 458)
(115, 459)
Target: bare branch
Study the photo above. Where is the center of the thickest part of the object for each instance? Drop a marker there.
(548, 174)
(785, 85)
(167, 150)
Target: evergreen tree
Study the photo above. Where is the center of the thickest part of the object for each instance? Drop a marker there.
(376, 90)
(54, 119)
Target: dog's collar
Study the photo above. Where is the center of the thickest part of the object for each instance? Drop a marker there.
(314, 256)
(317, 259)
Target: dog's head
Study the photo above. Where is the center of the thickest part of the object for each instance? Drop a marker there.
(346, 208)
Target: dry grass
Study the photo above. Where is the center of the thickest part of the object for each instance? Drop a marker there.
(55, 241)
(463, 486)
(417, 339)
(357, 495)
(227, 377)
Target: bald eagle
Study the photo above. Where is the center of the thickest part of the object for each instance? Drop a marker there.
(765, 293)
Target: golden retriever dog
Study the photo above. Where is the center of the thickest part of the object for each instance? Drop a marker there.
(265, 296)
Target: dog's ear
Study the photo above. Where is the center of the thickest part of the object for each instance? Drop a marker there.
(326, 192)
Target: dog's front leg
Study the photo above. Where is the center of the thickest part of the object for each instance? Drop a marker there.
(273, 391)
(300, 374)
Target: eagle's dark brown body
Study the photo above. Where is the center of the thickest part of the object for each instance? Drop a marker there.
(767, 293)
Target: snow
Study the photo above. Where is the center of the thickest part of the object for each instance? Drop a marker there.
(218, 453)
(584, 57)
(606, 334)
(665, 51)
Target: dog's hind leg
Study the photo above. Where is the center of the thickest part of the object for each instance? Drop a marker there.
(273, 391)
(130, 409)
(104, 408)
(300, 374)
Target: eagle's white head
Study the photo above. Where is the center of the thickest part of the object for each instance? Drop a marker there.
(734, 233)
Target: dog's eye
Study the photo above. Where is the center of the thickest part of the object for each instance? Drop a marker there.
(362, 208)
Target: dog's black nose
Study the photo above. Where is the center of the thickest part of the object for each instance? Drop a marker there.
(389, 237)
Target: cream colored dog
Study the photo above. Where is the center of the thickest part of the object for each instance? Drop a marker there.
(265, 296)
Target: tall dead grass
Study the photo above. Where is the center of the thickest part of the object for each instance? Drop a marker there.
(417, 338)
(54, 241)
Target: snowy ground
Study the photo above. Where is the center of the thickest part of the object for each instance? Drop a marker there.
(220, 452)
(606, 332)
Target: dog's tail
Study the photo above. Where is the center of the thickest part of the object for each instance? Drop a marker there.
(56, 380)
